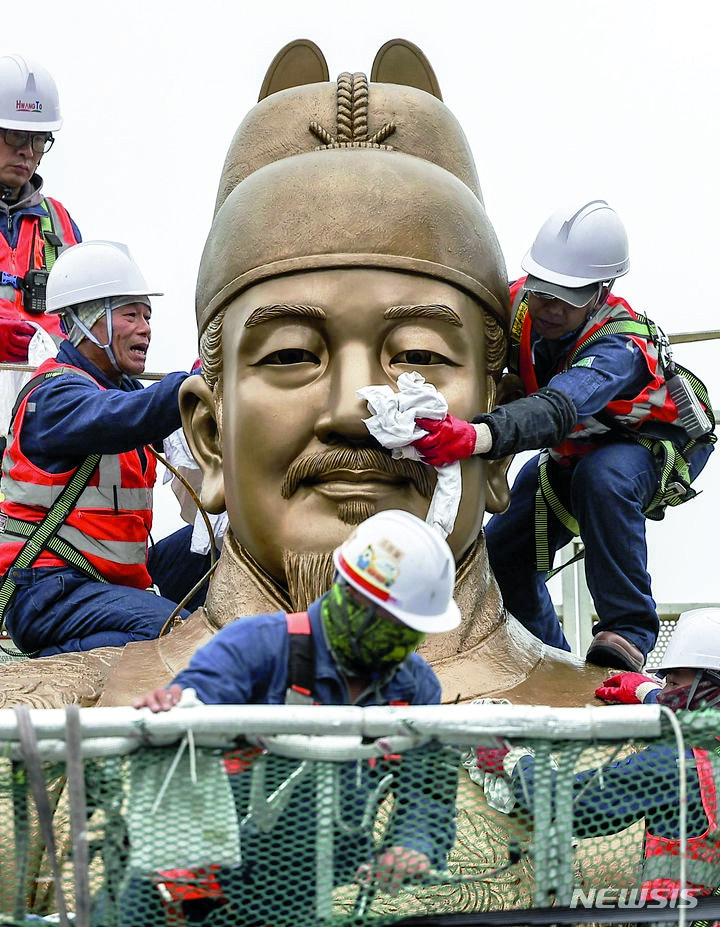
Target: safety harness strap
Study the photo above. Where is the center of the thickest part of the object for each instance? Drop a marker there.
(56, 545)
(301, 661)
(47, 528)
(50, 226)
(546, 498)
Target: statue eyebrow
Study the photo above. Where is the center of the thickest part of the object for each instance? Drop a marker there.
(284, 310)
(426, 311)
(279, 311)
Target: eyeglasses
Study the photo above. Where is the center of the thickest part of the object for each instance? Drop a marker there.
(562, 304)
(41, 142)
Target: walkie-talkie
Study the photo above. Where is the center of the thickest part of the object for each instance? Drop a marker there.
(34, 290)
(691, 415)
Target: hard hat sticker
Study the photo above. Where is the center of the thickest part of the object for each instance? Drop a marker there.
(28, 106)
(378, 566)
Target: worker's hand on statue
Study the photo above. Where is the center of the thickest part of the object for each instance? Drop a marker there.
(491, 759)
(15, 337)
(451, 439)
(160, 699)
(393, 867)
(629, 689)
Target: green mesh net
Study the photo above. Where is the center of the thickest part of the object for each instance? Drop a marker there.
(188, 818)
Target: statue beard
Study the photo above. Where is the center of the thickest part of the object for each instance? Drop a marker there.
(308, 576)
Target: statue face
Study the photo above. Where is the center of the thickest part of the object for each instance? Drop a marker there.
(295, 350)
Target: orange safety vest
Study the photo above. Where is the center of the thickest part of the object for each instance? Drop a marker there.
(703, 852)
(652, 403)
(111, 521)
(34, 252)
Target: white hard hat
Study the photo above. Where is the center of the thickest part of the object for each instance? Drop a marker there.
(93, 270)
(695, 642)
(398, 561)
(28, 96)
(576, 248)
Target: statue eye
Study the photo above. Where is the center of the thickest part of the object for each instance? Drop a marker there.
(420, 358)
(288, 356)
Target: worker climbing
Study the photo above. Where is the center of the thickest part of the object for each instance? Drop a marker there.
(625, 432)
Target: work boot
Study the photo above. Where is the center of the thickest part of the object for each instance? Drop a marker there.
(611, 650)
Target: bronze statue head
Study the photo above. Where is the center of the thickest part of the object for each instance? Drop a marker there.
(350, 243)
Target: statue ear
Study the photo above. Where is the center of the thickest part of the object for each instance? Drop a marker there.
(497, 491)
(297, 63)
(199, 420)
(401, 62)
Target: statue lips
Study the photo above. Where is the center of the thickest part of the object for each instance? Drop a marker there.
(342, 483)
(353, 472)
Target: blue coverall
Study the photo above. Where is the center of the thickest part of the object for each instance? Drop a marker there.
(606, 491)
(61, 610)
(246, 662)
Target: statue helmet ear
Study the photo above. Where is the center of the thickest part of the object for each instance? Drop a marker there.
(199, 413)
(401, 62)
(297, 63)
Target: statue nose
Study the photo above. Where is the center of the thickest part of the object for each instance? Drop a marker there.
(345, 410)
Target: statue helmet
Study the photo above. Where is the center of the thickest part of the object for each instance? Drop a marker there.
(352, 173)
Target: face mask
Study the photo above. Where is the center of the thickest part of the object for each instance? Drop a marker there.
(701, 693)
(363, 641)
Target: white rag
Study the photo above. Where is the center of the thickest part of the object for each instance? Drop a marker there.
(392, 423)
(178, 454)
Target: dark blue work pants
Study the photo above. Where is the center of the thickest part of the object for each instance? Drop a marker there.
(61, 610)
(606, 491)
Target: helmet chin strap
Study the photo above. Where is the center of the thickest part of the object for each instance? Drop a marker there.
(107, 348)
(600, 302)
(708, 676)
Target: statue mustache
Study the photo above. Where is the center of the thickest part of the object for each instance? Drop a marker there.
(316, 468)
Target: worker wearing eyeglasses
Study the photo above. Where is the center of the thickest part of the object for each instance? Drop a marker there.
(624, 430)
(34, 227)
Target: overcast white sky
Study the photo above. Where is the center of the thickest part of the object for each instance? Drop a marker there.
(560, 99)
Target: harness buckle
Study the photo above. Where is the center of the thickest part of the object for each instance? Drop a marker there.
(675, 490)
(13, 280)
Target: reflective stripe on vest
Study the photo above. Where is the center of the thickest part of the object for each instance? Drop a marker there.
(662, 854)
(111, 521)
(32, 253)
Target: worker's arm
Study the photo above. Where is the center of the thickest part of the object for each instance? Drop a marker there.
(645, 785)
(611, 368)
(71, 418)
(425, 795)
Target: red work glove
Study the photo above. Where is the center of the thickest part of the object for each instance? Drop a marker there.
(490, 759)
(628, 689)
(15, 335)
(448, 439)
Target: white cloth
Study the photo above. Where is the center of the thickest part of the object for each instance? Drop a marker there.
(392, 423)
(178, 454)
(40, 348)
